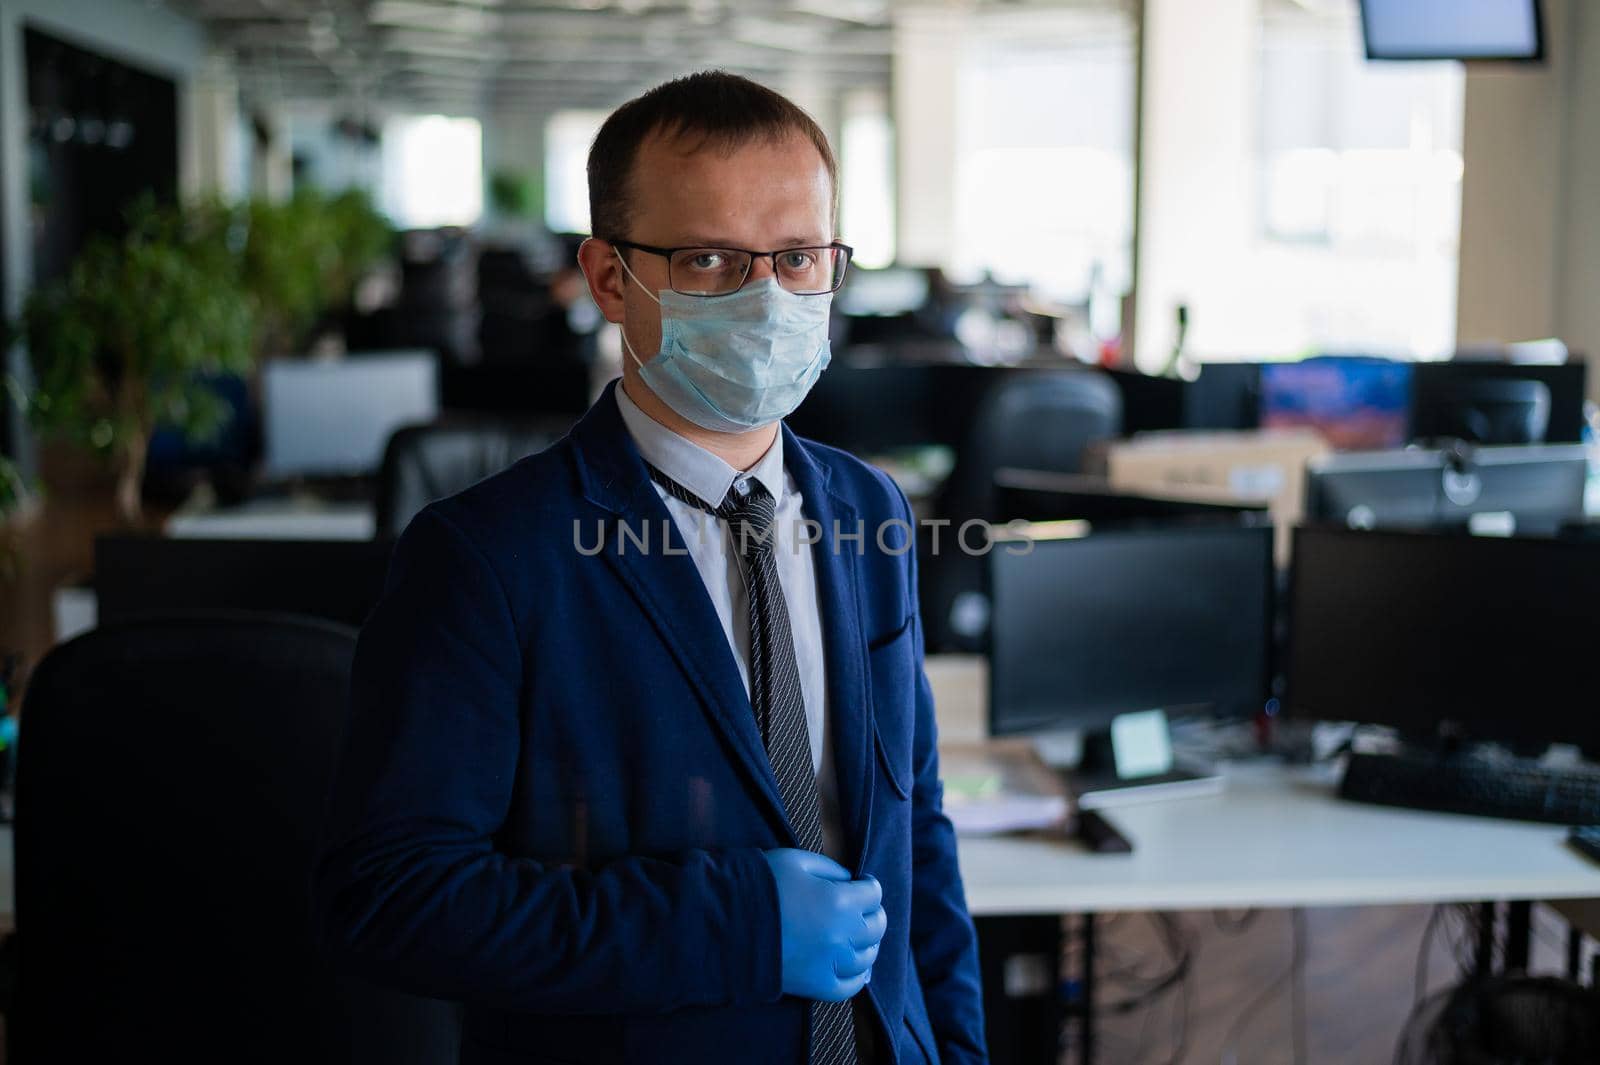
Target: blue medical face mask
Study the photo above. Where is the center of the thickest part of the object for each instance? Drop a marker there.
(736, 362)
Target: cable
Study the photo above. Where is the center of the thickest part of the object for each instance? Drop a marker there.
(1297, 985)
(1230, 1054)
(1234, 926)
(1153, 988)
(1178, 1023)
(1178, 946)
(1180, 1039)
(1422, 956)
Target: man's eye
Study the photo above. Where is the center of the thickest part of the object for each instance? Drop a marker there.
(708, 260)
(798, 261)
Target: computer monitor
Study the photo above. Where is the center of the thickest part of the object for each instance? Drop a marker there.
(1149, 403)
(332, 418)
(1044, 495)
(337, 580)
(1087, 628)
(1226, 395)
(1483, 638)
(1442, 396)
(893, 290)
(1452, 29)
(1354, 403)
(527, 388)
(1521, 490)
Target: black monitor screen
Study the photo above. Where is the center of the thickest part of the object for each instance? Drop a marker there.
(1444, 395)
(1452, 29)
(1085, 629)
(1415, 630)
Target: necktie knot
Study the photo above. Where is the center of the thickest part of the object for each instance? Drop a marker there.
(749, 517)
(749, 514)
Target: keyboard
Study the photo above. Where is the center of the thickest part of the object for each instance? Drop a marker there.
(1517, 789)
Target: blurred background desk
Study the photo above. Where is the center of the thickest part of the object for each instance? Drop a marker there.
(277, 519)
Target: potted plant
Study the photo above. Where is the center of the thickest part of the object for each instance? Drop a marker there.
(13, 497)
(295, 259)
(121, 344)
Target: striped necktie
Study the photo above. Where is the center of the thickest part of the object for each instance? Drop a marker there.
(779, 708)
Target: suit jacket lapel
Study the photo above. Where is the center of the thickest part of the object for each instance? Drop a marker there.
(669, 589)
(844, 645)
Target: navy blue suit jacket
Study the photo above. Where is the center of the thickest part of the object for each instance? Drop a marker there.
(553, 798)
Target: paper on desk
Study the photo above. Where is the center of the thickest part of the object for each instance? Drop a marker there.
(1000, 786)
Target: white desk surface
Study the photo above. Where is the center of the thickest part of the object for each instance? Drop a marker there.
(1273, 837)
(278, 519)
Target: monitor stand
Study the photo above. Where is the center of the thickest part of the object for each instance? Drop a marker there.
(1132, 762)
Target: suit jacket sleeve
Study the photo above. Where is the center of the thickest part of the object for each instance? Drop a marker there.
(410, 889)
(943, 941)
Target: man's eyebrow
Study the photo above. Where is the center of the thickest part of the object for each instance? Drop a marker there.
(702, 241)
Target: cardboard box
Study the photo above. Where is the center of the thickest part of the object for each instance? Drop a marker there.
(1265, 466)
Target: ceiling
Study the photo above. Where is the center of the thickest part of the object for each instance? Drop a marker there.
(477, 56)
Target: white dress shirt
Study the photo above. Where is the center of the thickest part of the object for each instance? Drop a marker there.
(710, 544)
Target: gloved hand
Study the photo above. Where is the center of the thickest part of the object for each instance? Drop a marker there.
(831, 925)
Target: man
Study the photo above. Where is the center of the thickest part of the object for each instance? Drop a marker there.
(642, 761)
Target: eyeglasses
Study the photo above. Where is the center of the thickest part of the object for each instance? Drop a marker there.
(814, 271)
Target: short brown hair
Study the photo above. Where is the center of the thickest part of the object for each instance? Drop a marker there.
(722, 111)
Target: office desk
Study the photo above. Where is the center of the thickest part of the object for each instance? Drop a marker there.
(1280, 838)
(278, 519)
(1275, 836)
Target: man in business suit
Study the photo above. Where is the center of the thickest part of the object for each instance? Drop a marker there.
(642, 760)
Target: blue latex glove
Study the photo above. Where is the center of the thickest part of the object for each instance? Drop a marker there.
(831, 925)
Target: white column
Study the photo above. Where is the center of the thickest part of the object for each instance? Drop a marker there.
(272, 164)
(1196, 185)
(1578, 291)
(927, 62)
(215, 156)
(1512, 146)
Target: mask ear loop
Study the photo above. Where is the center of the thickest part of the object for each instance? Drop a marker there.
(626, 269)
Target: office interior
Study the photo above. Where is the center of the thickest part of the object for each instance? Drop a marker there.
(1262, 329)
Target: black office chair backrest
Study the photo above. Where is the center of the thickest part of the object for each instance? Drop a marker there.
(171, 786)
(136, 575)
(1040, 420)
(1485, 411)
(1035, 420)
(423, 463)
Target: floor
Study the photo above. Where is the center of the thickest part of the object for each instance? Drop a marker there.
(1360, 978)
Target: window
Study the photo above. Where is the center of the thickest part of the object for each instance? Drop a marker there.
(1360, 203)
(432, 171)
(1312, 204)
(866, 179)
(567, 137)
(1044, 153)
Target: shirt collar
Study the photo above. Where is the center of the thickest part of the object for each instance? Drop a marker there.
(691, 465)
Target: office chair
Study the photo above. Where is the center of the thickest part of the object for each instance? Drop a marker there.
(1485, 411)
(169, 804)
(423, 463)
(1501, 1020)
(1040, 420)
(1035, 420)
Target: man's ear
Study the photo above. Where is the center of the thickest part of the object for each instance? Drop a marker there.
(598, 259)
